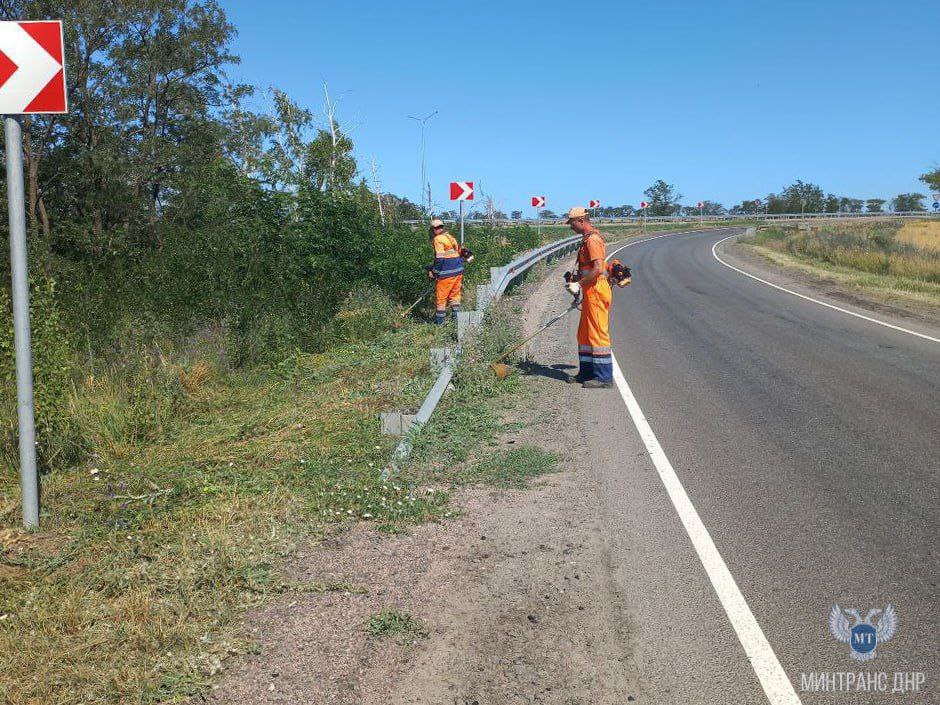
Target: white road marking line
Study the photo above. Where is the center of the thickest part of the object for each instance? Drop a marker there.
(656, 237)
(763, 660)
(817, 301)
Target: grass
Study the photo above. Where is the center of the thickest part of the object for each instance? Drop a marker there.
(885, 257)
(458, 446)
(150, 553)
(511, 468)
(921, 234)
(201, 480)
(391, 622)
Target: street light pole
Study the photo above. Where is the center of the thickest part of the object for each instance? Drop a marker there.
(424, 122)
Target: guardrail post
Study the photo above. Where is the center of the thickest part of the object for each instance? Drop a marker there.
(467, 320)
(484, 296)
(440, 357)
(394, 423)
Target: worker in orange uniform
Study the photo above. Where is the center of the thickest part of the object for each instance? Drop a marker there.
(589, 281)
(447, 271)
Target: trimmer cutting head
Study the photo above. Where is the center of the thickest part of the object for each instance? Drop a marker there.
(500, 370)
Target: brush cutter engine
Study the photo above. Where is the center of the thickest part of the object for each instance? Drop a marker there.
(466, 254)
(619, 273)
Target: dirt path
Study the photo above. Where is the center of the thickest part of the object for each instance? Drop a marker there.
(515, 592)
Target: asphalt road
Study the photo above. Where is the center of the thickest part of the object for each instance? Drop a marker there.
(807, 440)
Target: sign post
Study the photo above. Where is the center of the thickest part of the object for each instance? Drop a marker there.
(593, 205)
(701, 212)
(936, 202)
(461, 191)
(538, 202)
(643, 206)
(32, 80)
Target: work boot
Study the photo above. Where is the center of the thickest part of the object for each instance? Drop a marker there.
(574, 379)
(597, 384)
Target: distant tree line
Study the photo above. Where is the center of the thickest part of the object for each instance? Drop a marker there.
(664, 200)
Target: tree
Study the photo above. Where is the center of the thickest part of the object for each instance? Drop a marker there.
(623, 211)
(875, 205)
(798, 197)
(663, 198)
(932, 180)
(711, 208)
(516, 215)
(851, 205)
(746, 207)
(908, 202)
(548, 215)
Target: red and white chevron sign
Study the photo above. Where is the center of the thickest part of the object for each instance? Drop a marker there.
(461, 190)
(644, 205)
(538, 201)
(594, 204)
(700, 204)
(32, 69)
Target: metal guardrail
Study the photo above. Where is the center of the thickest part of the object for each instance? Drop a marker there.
(487, 294)
(638, 219)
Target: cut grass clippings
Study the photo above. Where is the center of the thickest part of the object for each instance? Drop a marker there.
(150, 553)
(456, 447)
(147, 558)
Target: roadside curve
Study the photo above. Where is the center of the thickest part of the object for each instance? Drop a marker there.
(804, 441)
(816, 300)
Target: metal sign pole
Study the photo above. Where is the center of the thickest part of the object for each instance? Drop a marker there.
(538, 224)
(29, 482)
(461, 223)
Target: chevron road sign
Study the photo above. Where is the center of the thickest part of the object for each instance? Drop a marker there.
(32, 71)
(461, 190)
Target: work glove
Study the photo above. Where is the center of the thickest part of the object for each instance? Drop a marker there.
(430, 271)
(574, 289)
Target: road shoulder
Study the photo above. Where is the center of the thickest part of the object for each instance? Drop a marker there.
(831, 288)
(514, 594)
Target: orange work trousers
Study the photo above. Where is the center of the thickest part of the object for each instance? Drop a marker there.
(447, 293)
(594, 357)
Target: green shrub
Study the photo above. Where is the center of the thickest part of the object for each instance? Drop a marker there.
(366, 313)
(52, 364)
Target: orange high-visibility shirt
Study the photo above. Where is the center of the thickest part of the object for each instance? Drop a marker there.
(592, 248)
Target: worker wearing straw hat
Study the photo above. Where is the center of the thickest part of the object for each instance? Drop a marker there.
(590, 281)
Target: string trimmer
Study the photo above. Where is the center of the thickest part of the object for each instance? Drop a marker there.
(502, 371)
(420, 299)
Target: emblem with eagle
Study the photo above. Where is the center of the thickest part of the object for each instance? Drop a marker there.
(863, 636)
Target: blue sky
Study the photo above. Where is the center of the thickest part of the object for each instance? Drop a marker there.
(597, 100)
